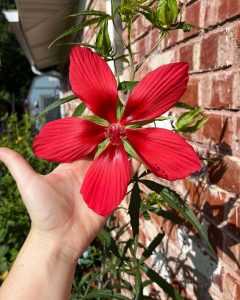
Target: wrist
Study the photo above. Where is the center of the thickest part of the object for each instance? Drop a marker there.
(54, 247)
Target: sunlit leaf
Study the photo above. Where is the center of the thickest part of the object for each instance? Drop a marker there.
(174, 201)
(162, 283)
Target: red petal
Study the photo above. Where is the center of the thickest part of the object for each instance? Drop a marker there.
(105, 183)
(67, 139)
(93, 82)
(164, 152)
(156, 93)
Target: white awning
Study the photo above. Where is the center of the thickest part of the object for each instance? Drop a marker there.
(37, 23)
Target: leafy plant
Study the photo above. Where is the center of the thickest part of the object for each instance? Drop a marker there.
(14, 220)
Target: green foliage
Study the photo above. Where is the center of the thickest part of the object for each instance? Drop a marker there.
(14, 220)
(167, 12)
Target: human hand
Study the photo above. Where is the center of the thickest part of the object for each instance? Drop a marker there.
(55, 205)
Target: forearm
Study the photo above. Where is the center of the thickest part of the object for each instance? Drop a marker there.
(41, 271)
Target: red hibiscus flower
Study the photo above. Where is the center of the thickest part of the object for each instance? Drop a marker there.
(163, 152)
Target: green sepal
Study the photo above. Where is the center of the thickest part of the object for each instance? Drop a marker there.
(96, 119)
(129, 149)
(120, 109)
(101, 147)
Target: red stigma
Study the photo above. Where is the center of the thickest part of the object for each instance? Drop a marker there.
(116, 134)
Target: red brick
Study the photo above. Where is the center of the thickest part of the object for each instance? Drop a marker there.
(222, 91)
(231, 287)
(211, 13)
(217, 130)
(191, 95)
(231, 253)
(171, 38)
(192, 16)
(234, 219)
(230, 175)
(209, 50)
(186, 55)
(228, 9)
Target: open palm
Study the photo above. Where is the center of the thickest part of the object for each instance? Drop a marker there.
(54, 202)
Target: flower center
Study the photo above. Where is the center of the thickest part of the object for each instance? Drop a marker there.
(116, 134)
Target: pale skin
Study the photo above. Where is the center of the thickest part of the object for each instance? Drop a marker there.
(62, 228)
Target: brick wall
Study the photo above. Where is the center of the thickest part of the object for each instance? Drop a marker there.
(213, 54)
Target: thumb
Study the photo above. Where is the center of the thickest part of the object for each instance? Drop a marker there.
(20, 169)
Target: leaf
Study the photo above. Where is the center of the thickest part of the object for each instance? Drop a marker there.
(167, 288)
(76, 28)
(167, 215)
(79, 110)
(91, 12)
(109, 294)
(175, 202)
(152, 246)
(134, 209)
(127, 85)
(3, 250)
(56, 104)
(105, 237)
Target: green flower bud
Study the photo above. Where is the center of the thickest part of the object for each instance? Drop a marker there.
(167, 12)
(103, 42)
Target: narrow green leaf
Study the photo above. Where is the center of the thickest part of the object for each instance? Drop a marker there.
(120, 109)
(78, 44)
(175, 202)
(134, 209)
(109, 294)
(152, 246)
(76, 28)
(162, 283)
(167, 215)
(91, 12)
(56, 104)
(79, 110)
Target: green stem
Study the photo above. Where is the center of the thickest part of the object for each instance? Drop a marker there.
(129, 47)
(150, 52)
